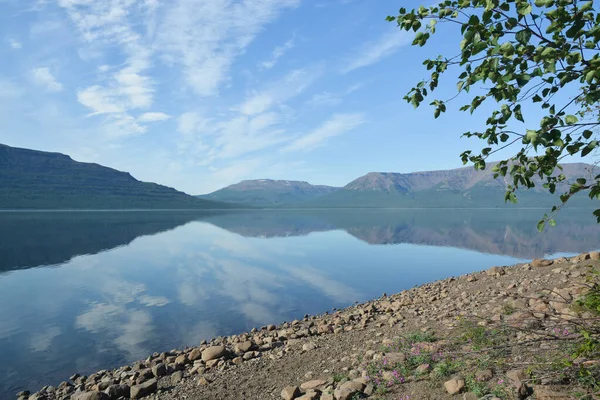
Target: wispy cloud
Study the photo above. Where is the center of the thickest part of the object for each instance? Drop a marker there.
(372, 52)
(290, 86)
(324, 99)
(14, 43)
(153, 117)
(257, 123)
(128, 88)
(278, 52)
(337, 125)
(44, 78)
(204, 38)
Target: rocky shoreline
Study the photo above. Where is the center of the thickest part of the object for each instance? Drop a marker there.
(331, 356)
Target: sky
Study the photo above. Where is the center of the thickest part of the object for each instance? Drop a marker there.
(200, 94)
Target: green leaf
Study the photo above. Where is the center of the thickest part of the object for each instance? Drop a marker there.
(524, 8)
(571, 119)
(540, 226)
(523, 36)
(552, 222)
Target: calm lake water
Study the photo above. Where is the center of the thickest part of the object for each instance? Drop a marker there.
(83, 291)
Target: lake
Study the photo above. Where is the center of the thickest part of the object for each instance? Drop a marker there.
(83, 291)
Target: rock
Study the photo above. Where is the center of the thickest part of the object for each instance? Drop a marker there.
(159, 370)
(454, 385)
(423, 369)
(176, 377)
(495, 271)
(550, 393)
(312, 384)
(395, 358)
(470, 396)
(181, 360)
(594, 255)
(90, 396)
(144, 389)
(195, 354)
(516, 376)
(203, 381)
(290, 393)
(540, 262)
(308, 346)
(244, 347)
(116, 391)
(213, 352)
(484, 375)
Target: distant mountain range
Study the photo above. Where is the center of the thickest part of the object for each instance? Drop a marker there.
(270, 193)
(31, 179)
(463, 187)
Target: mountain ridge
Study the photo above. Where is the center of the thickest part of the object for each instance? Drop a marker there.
(32, 179)
(460, 187)
(269, 192)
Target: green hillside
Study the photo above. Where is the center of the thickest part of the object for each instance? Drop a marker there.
(269, 193)
(31, 179)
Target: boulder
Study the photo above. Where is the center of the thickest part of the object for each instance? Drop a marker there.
(90, 396)
(495, 271)
(551, 393)
(159, 370)
(312, 384)
(290, 393)
(144, 389)
(213, 353)
(540, 262)
(244, 347)
(116, 391)
(516, 376)
(176, 377)
(454, 385)
(195, 354)
(484, 375)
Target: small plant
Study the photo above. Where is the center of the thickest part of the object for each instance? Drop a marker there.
(478, 387)
(508, 309)
(500, 389)
(417, 337)
(339, 377)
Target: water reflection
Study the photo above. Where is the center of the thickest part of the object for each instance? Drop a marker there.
(125, 285)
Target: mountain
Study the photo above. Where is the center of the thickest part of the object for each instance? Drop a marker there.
(269, 193)
(31, 179)
(464, 187)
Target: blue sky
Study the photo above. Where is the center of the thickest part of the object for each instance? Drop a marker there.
(199, 94)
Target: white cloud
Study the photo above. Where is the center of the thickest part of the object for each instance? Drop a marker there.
(99, 100)
(335, 126)
(375, 51)
(14, 44)
(105, 24)
(324, 99)
(43, 77)
(278, 52)
(153, 117)
(290, 86)
(204, 38)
